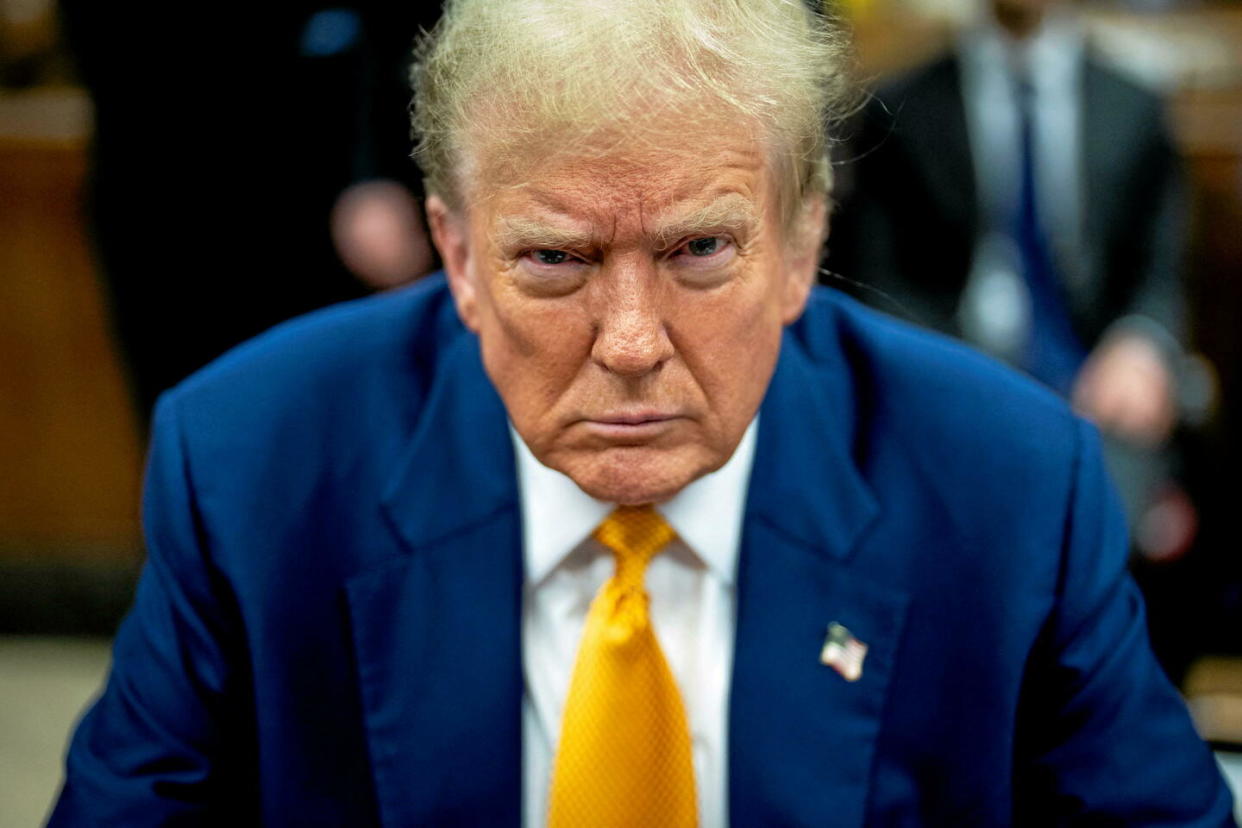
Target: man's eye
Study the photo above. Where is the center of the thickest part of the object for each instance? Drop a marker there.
(550, 257)
(705, 246)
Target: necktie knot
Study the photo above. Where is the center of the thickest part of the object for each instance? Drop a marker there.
(634, 534)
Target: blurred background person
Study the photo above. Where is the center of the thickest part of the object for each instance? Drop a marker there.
(249, 165)
(1019, 193)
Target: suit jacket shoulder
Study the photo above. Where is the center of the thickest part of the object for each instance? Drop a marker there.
(317, 408)
(987, 578)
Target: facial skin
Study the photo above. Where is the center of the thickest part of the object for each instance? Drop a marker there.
(630, 307)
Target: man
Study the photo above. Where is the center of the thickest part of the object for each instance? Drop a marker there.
(1048, 189)
(399, 549)
(1040, 210)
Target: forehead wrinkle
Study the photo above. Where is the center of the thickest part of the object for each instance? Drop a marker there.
(732, 211)
(589, 201)
(564, 210)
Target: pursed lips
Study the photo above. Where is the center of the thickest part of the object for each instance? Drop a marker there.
(633, 417)
(630, 424)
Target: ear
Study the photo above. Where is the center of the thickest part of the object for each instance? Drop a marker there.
(450, 230)
(806, 247)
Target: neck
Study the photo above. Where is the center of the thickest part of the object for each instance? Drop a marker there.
(1017, 22)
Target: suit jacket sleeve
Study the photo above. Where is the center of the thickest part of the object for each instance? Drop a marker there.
(146, 753)
(1102, 733)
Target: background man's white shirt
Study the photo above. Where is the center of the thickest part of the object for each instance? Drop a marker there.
(995, 311)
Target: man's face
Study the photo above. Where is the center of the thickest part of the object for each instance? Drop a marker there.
(630, 307)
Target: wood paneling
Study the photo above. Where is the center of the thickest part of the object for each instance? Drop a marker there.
(69, 448)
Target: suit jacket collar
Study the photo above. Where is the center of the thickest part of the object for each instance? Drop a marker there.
(804, 481)
(459, 468)
(437, 629)
(801, 736)
(934, 116)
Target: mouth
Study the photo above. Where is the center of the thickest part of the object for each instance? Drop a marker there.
(631, 425)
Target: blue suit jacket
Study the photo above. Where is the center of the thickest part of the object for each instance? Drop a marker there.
(327, 629)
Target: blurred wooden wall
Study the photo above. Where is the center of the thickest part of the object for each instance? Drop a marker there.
(69, 448)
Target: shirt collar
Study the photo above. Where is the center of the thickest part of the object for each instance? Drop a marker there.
(1048, 55)
(557, 516)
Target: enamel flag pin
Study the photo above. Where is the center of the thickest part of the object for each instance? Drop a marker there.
(843, 652)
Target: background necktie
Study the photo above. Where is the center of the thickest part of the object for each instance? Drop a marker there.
(624, 757)
(1053, 353)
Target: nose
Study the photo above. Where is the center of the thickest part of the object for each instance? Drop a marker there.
(631, 339)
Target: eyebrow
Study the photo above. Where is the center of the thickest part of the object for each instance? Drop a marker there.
(732, 212)
(517, 231)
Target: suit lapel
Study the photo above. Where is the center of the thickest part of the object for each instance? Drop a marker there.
(938, 120)
(436, 630)
(801, 737)
(1103, 179)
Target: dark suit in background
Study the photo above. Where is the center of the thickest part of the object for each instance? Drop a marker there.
(909, 216)
(224, 134)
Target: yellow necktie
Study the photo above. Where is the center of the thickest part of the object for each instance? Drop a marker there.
(624, 757)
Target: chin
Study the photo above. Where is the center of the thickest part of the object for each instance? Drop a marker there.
(635, 476)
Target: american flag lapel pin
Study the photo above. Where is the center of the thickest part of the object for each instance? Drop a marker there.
(843, 652)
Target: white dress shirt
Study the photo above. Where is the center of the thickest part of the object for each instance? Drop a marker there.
(693, 600)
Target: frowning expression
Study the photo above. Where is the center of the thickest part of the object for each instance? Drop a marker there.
(630, 307)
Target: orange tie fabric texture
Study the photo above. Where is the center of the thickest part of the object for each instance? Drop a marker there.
(624, 757)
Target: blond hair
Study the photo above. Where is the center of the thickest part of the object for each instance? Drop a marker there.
(521, 76)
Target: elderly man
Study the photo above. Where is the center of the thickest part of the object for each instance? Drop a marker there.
(621, 523)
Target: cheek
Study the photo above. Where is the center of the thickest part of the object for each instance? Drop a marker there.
(531, 348)
(731, 344)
